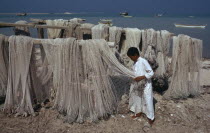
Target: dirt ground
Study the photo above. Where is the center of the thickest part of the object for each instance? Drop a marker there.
(191, 115)
(183, 116)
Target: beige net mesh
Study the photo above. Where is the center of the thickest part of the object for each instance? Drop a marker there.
(3, 65)
(84, 78)
(18, 97)
(100, 31)
(76, 71)
(187, 54)
(114, 36)
(55, 33)
(133, 38)
(22, 30)
(85, 90)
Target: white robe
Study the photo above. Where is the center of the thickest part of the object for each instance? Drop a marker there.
(142, 103)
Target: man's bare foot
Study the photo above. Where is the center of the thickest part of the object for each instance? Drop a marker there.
(137, 115)
(150, 121)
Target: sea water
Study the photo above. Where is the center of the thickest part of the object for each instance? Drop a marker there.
(137, 21)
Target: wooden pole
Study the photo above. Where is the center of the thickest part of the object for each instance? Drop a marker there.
(40, 32)
(52, 27)
(38, 41)
(38, 20)
(5, 25)
(31, 25)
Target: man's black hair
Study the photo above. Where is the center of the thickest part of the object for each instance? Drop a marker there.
(132, 51)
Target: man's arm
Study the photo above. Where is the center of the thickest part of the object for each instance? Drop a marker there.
(149, 71)
(139, 78)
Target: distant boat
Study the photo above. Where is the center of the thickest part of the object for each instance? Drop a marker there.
(127, 16)
(21, 14)
(191, 16)
(124, 14)
(190, 26)
(67, 13)
(159, 15)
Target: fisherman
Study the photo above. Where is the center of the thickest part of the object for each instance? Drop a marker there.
(141, 102)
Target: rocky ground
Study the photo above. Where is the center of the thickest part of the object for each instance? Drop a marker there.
(191, 115)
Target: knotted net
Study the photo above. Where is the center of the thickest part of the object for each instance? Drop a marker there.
(100, 31)
(187, 54)
(3, 65)
(22, 30)
(18, 97)
(133, 38)
(84, 89)
(55, 33)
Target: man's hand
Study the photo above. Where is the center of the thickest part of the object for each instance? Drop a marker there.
(137, 79)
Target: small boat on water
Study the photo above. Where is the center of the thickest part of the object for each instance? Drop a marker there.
(67, 13)
(21, 14)
(127, 16)
(124, 14)
(158, 15)
(190, 26)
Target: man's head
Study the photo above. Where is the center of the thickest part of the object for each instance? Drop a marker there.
(133, 53)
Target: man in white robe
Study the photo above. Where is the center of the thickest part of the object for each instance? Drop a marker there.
(141, 102)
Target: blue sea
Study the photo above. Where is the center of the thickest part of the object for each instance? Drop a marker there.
(137, 21)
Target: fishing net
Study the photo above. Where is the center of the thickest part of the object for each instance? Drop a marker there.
(114, 36)
(22, 30)
(155, 48)
(84, 78)
(151, 57)
(77, 20)
(3, 65)
(163, 46)
(187, 54)
(49, 50)
(149, 37)
(86, 31)
(18, 97)
(84, 89)
(133, 38)
(70, 32)
(55, 33)
(87, 25)
(41, 73)
(100, 31)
